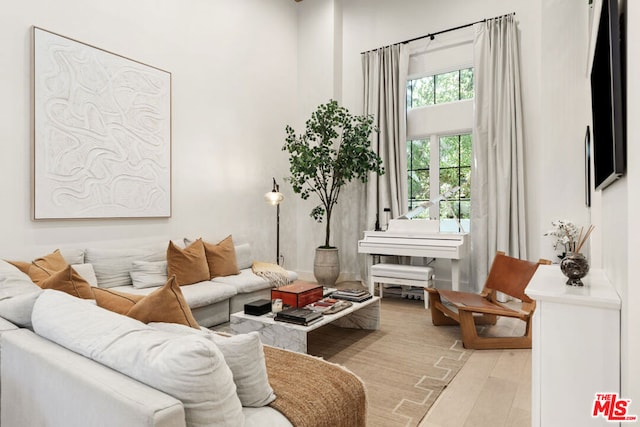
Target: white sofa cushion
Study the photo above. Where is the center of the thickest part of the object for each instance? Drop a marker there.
(18, 309)
(264, 416)
(244, 356)
(113, 266)
(14, 282)
(86, 272)
(197, 294)
(44, 384)
(247, 281)
(17, 295)
(147, 274)
(187, 367)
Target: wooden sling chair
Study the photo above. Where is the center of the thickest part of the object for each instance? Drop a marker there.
(507, 275)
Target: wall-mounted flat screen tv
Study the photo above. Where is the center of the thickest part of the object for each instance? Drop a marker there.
(607, 91)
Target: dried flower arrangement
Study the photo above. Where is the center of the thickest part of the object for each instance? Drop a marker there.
(568, 237)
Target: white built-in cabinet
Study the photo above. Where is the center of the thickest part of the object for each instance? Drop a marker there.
(576, 347)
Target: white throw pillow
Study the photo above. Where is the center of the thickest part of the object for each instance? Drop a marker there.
(86, 272)
(113, 266)
(244, 355)
(73, 256)
(187, 367)
(148, 274)
(244, 257)
(14, 282)
(17, 309)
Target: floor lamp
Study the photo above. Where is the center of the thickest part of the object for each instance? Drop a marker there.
(274, 198)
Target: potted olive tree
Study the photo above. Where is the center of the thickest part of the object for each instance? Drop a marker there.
(333, 150)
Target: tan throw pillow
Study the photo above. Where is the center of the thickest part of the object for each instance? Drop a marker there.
(221, 258)
(189, 265)
(21, 265)
(166, 304)
(69, 281)
(119, 302)
(42, 268)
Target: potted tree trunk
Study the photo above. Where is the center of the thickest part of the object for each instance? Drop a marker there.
(334, 149)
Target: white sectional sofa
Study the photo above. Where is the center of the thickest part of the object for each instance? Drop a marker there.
(210, 305)
(211, 301)
(117, 372)
(64, 361)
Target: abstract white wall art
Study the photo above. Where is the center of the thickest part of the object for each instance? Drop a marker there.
(102, 133)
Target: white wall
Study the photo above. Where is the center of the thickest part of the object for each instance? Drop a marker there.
(621, 253)
(566, 111)
(614, 247)
(319, 44)
(234, 74)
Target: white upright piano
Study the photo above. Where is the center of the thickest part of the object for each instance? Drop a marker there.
(418, 238)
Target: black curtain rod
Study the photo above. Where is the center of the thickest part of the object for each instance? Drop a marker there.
(433, 35)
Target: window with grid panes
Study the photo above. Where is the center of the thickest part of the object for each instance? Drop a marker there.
(440, 88)
(440, 162)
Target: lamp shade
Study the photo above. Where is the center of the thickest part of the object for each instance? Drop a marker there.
(274, 197)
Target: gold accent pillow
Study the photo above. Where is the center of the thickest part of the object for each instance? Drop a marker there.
(189, 265)
(165, 304)
(221, 258)
(21, 265)
(69, 281)
(41, 268)
(119, 302)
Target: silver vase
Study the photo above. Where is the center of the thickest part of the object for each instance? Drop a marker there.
(575, 266)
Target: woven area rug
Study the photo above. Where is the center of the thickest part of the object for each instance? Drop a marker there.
(405, 365)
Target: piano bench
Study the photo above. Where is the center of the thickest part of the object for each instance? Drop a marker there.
(403, 275)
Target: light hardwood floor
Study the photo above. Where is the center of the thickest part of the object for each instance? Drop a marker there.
(492, 389)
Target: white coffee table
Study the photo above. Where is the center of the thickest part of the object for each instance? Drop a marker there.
(361, 315)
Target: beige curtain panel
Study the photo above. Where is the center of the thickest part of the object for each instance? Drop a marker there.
(497, 174)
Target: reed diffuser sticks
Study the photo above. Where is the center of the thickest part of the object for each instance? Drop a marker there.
(583, 239)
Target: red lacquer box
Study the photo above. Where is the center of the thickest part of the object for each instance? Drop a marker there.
(298, 294)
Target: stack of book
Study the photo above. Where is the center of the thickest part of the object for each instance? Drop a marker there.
(299, 316)
(322, 305)
(329, 305)
(355, 295)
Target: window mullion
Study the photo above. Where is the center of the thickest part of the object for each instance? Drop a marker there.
(434, 211)
(435, 81)
(410, 161)
(459, 176)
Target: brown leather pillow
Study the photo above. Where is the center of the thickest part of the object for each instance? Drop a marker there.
(41, 268)
(165, 304)
(69, 281)
(221, 258)
(119, 302)
(189, 265)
